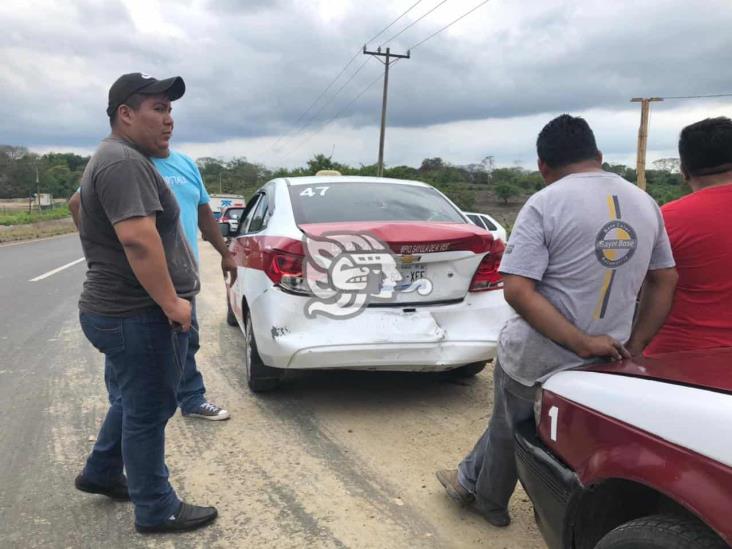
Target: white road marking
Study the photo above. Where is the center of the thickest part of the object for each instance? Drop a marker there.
(59, 269)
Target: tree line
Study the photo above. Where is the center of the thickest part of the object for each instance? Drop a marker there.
(23, 173)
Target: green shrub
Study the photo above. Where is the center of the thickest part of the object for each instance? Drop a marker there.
(23, 218)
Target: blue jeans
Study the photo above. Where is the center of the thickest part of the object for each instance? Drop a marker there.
(144, 361)
(191, 388)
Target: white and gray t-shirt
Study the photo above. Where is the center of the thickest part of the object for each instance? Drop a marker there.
(588, 240)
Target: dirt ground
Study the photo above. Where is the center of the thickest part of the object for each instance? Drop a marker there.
(505, 214)
(340, 459)
(330, 460)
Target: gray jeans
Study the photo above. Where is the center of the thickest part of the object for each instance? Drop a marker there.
(489, 471)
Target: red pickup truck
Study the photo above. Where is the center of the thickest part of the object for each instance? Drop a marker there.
(633, 455)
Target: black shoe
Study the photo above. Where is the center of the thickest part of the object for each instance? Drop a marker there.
(188, 517)
(117, 491)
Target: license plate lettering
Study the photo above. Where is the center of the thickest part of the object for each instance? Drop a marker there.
(410, 274)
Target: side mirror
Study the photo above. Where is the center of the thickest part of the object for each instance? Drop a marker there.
(224, 229)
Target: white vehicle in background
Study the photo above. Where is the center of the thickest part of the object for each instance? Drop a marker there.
(219, 202)
(488, 223)
(232, 216)
(422, 241)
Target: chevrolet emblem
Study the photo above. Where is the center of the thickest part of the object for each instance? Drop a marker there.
(409, 259)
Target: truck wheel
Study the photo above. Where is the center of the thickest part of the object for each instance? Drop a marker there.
(469, 370)
(230, 318)
(260, 377)
(661, 532)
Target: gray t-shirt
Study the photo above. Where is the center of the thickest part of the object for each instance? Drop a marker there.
(120, 183)
(588, 240)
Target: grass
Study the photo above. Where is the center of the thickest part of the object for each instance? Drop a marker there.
(24, 218)
(44, 229)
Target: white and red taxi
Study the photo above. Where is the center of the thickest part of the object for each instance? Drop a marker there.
(450, 323)
(633, 455)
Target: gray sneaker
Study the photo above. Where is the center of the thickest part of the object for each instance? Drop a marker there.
(208, 410)
(449, 479)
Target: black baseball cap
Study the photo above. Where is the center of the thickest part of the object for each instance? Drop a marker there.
(137, 82)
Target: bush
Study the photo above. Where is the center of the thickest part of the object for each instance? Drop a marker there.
(23, 218)
(505, 191)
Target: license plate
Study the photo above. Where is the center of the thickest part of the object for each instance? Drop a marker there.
(410, 274)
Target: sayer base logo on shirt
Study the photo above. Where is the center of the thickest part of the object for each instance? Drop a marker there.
(347, 271)
(615, 244)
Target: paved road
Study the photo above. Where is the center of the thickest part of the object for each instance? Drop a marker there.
(340, 459)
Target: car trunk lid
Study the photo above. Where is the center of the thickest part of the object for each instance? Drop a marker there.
(709, 368)
(437, 262)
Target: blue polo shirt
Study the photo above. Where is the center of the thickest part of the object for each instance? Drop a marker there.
(182, 176)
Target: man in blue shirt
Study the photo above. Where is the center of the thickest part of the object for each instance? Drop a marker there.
(184, 179)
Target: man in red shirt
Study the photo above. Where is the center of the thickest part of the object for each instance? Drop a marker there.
(699, 226)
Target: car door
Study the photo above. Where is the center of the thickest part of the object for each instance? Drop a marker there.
(251, 280)
(239, 249)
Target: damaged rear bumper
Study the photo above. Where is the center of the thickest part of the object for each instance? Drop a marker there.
(406, 338)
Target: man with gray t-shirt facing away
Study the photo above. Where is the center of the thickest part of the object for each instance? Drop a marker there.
(574, 265)
(135, 306)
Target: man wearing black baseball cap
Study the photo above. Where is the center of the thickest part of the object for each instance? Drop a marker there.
(135, 306)
(136, 82)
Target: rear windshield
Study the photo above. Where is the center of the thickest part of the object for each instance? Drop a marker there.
(345, 201)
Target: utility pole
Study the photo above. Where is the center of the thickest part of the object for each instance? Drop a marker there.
(640, 163)
(389, 59)
(38, 188)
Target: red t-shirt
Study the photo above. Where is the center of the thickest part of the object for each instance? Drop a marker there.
(699, 226)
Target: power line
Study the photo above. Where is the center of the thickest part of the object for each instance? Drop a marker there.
(343, 70)
(448, 25)
(312, 118)
(410, 8)
(318, 98)
(413, 23)
(335, 116)
(343, 109)
(346, 107)
(698, 96)
(368, 86)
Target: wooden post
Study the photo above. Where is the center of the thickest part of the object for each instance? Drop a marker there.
(640, 164)
(389, 56)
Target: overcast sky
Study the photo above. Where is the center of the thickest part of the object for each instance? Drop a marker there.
(485, 86)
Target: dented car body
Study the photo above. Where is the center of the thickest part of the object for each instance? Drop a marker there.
(363, 273)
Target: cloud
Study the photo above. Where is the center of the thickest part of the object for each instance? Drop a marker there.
(252, 68)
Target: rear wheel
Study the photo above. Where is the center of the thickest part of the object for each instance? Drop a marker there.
(661, 532)
(260, 377)
(469, 370)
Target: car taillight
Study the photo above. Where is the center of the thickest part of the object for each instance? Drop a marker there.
(487, 277)
(285, 270)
